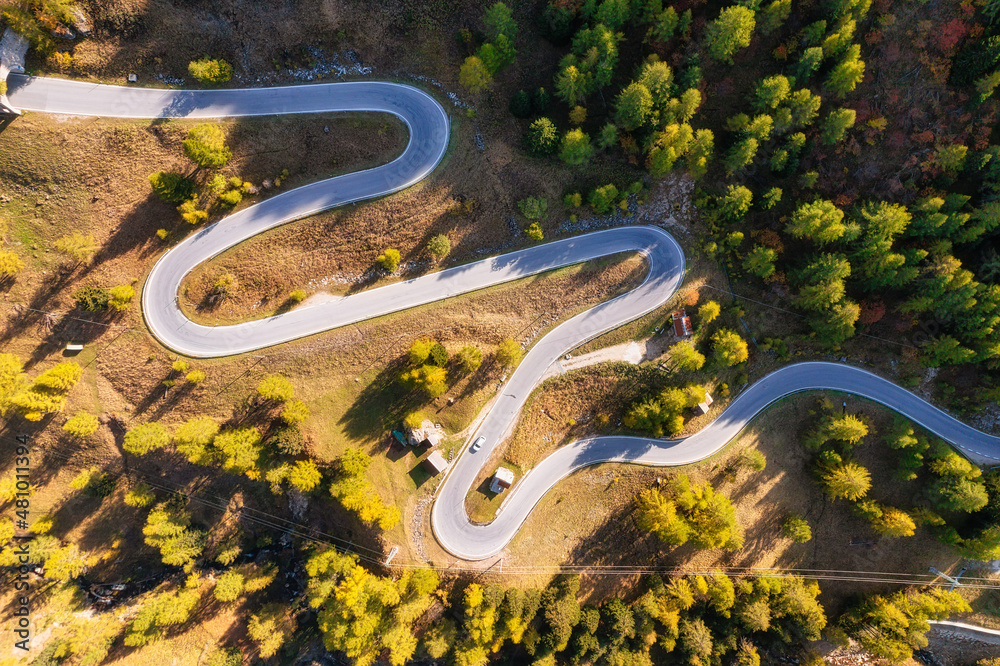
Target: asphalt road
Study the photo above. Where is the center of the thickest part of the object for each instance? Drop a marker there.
(429, 132)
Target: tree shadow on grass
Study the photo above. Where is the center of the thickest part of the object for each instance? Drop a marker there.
(382, 404)
(34, 313)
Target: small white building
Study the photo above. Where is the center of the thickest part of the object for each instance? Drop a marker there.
(704, 406)
(434, 463)
(502, 480)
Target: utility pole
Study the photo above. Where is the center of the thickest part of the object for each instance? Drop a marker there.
(954, 581)
(392, 554)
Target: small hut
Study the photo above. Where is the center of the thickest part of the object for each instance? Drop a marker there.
(502, 480)
(434, 463)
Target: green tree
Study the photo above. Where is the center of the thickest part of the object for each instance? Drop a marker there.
(633, 107)
(730, 32)
(439, 246)
(734, 203)
(520, 104)
(686, 357)
(474, 74)
(508, 353)
(848, 73)
(608, 136)
(572, 85)
(836, 124)
(305, 475)
(499, 20)
(210, 71)
(146, 437)
(820, 221)
(891, 627)
(575, 148)
(270, 628)
(672, 143)
(81, 425)
(205, 145)
(295, 412)
(772, 91)
(542, 137)
(797, 529)
(603, 198)
(76, 246)
(847, 480)
(172, 187)
(741, 154)
(700, 153)
(729, 348)
(433, 380)
(760, 261)
(774, 15)
(169, 530)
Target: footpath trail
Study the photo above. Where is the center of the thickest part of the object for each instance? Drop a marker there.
(429, 130)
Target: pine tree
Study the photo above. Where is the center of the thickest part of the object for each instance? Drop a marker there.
(729, 348)
(146, 437)
(686, 357)
(847, 480)
(205, 145)
(730, 32)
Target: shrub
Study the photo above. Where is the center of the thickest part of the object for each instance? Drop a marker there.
(172, 187)
(797, 529)
(439, 246)
(469, 358)
(92, 299)
(231, 198)
(295, 411)
(276, 388)
(226, 285)
(420, 350)
(229, 587)
(534, 231)
(389, 259)
(542, 137)
(190, 213)
(120, 297)
(146, 437)
(533, 208)
(205, 145)
(210, 71)
(139, 496)
(10, 264)
(297, 296)
(195, 376)
(81, 425)
(603, 198)
(509, 353)
(438, 355)
(77, 247)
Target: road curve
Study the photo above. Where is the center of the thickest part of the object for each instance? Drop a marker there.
(429, 130)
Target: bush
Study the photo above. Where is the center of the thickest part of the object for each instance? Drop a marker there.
(439, 246)
(469, 358)
(439, 355)
(120, 297)
(229, 587)
(288, 440)
(534, 231)
(139, 496)
(92, 299)
(205, 145)
(603, 198)
(81, 425)
(542, 137)
(389, 259)
(172, 187)
(276, 388)
(231, 198)
(509, 353)
(797, 529)
(533, 208)
(298, 296)
(210, 71)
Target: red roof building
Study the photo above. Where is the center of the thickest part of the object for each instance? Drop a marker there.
(682, 324)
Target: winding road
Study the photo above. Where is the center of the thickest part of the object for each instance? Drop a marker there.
(429, 131)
